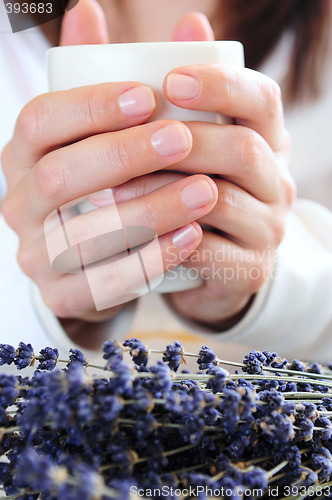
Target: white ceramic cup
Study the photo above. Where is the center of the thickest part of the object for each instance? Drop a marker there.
(149, 63)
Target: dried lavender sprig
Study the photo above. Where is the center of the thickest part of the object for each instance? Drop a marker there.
(272, 377)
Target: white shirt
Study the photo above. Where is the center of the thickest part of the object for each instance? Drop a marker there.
(292, 313)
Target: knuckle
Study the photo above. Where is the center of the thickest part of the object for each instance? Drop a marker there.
(151, 217)
(27, 261)
(250, 152)
(287, 143)
(227, 201)
(228, 80)
(272, 97)
(118, 154)
(55, 304)
(97, 107)
(290, 191)
(278, 231)
(10, 212)
(91, 109)
(258, 276)
(5, 163)
(30, 121)
(50, 178)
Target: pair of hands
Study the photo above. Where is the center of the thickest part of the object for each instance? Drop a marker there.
(70, 144)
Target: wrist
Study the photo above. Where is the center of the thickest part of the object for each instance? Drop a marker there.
(89, 334)
(228, 322)
(214, 314)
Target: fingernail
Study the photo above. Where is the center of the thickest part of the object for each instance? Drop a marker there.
(170, 140)
(102, 198)
(197, 194)
(185, 236)
(182, 87)
(138, 101)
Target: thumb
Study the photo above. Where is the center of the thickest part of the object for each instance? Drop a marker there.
(84, 24)
(193, 27)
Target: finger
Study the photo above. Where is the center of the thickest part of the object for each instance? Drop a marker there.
(245, 220)
(252, 98)
(111, 283)
(193, 26)
(84, 24)
(67, 174)
(108, 231)
(134, 188)
(224, 264)
(236, 153)
(59, 118)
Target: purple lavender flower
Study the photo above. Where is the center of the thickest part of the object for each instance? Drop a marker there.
(277, 428)
(122, 383)
(314, 368)
(311, 477)
(254, 362)
(297, 365)
(162, 381)
(273, 399)
(279, 363)
(322, 459)
(173, 355)
(76, 356)
(138, 351)
(112, 352)
(24, 356)
(193, 430)
(236, 447)
(256, 479)
(8, 391)
(217, 382)
(206, 357)
(49, 358)
(229, 407)
(304, 427)
(34, 470)
(108, 409)
(270, 357)
(7, 354)
(145, 426)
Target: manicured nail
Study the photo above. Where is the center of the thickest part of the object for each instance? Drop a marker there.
(182, 87)
(138, 101)
(170, 140)
(185, 236)
(102, 198)
(197, 194)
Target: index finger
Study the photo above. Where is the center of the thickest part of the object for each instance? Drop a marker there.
(251, 98)
(60, 118)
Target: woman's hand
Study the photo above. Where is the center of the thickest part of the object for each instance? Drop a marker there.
(248, 160)
(69, 144)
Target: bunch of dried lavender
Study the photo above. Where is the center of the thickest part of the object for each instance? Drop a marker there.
(150, 430)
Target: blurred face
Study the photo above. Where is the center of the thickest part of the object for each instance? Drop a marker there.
(149, 20)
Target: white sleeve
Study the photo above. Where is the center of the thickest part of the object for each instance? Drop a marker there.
(292, 313)
(25, 317)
